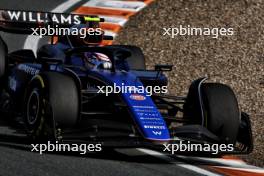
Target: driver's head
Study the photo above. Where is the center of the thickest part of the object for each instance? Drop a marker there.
(88, 34)
(99, 59)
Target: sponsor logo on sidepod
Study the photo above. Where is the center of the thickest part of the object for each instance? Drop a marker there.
(137, 97)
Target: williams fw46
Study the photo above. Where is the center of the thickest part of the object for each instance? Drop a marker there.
(54, 96)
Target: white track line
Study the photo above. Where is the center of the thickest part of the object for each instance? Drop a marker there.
(232, 164)
(198, 170)
(31, 42)
(169, 159)
(156, 154)
(227, 162)
(217, 160)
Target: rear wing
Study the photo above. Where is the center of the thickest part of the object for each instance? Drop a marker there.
(21, 22)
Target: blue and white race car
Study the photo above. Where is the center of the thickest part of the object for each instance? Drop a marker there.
(80, 90)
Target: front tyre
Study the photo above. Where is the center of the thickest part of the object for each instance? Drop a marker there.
(222, 114)
(37, 116)
(52, 102)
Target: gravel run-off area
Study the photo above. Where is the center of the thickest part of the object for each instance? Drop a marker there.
(236, 60)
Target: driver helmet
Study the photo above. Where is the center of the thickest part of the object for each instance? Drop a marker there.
(106, 62)
(100, 57)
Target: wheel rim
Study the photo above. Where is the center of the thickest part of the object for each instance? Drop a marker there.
(33, 107)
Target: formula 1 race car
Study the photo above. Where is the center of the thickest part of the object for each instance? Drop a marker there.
(62, 94)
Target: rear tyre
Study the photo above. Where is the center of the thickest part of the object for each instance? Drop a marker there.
(222, 115)
(51, 102)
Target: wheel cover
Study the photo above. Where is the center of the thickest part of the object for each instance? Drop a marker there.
(33, 106)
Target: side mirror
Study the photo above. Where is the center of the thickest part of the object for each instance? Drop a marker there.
(161, 68)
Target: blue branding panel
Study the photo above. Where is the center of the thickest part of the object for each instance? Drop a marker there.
(144, 112)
